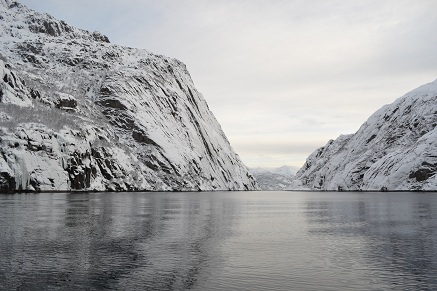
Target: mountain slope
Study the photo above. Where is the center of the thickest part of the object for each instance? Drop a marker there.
(395, 149)
(80, 113)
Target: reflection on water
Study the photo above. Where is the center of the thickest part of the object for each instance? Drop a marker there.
(109, 241)
(392, 235)
(219, 241)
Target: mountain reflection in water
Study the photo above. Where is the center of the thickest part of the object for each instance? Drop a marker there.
(219, 241)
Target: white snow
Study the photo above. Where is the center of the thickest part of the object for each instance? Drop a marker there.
(280, 178)
(137, 123)
(396, 149)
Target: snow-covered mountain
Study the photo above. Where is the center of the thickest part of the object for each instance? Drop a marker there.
(395, 149)
(283, 170)
(274, 178)
(80, 113)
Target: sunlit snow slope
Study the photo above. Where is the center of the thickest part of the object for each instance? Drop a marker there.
(395, 149)
(80, 113)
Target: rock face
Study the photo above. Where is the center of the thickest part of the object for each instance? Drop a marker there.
(274, 179)
(80, 113)
(395, 149)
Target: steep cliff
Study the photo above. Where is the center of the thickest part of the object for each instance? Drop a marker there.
(395, 149)
(80, 113)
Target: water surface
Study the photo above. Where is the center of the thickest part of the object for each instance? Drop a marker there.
(219, 241)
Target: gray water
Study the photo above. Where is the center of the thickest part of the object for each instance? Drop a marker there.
(218, 241)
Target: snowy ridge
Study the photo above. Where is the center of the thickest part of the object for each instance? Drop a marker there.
(395, 149)
(80, 113)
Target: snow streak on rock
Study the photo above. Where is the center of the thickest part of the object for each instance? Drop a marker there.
(395, 149)
(80, 113)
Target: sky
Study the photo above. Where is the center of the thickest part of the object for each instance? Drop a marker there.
(281, 77)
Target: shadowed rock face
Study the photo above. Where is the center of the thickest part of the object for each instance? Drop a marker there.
(7, 183)
(79, 113)
(395, 149)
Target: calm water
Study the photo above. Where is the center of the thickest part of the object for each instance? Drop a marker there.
(219, 241)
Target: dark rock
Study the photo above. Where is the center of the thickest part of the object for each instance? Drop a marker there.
(30, 59)
(8, 80)
(65, 26)
(110, 55)
(35, 48)
(429, 165)
(179, 84)
(371, 138)
(105, 91)
(66, 102)
(34, 94)
(52, 181)
(14, 4)
(422, 174)
(7, 183)
(50, 28)
(79, 174)
(72, 61)
(35, 184)
(34, 147)
(151, 165)
(97, 36)
(111, 103)
(141, 137)
(104, 162)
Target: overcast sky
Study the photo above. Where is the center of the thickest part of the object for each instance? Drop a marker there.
(282, 77)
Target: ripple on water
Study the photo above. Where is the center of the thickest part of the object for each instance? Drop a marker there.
(219, 241)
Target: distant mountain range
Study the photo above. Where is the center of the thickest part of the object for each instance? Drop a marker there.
(395, 149)
(80, 113)
(274, 178)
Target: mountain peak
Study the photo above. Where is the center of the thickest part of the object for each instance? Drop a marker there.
(24, 23)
